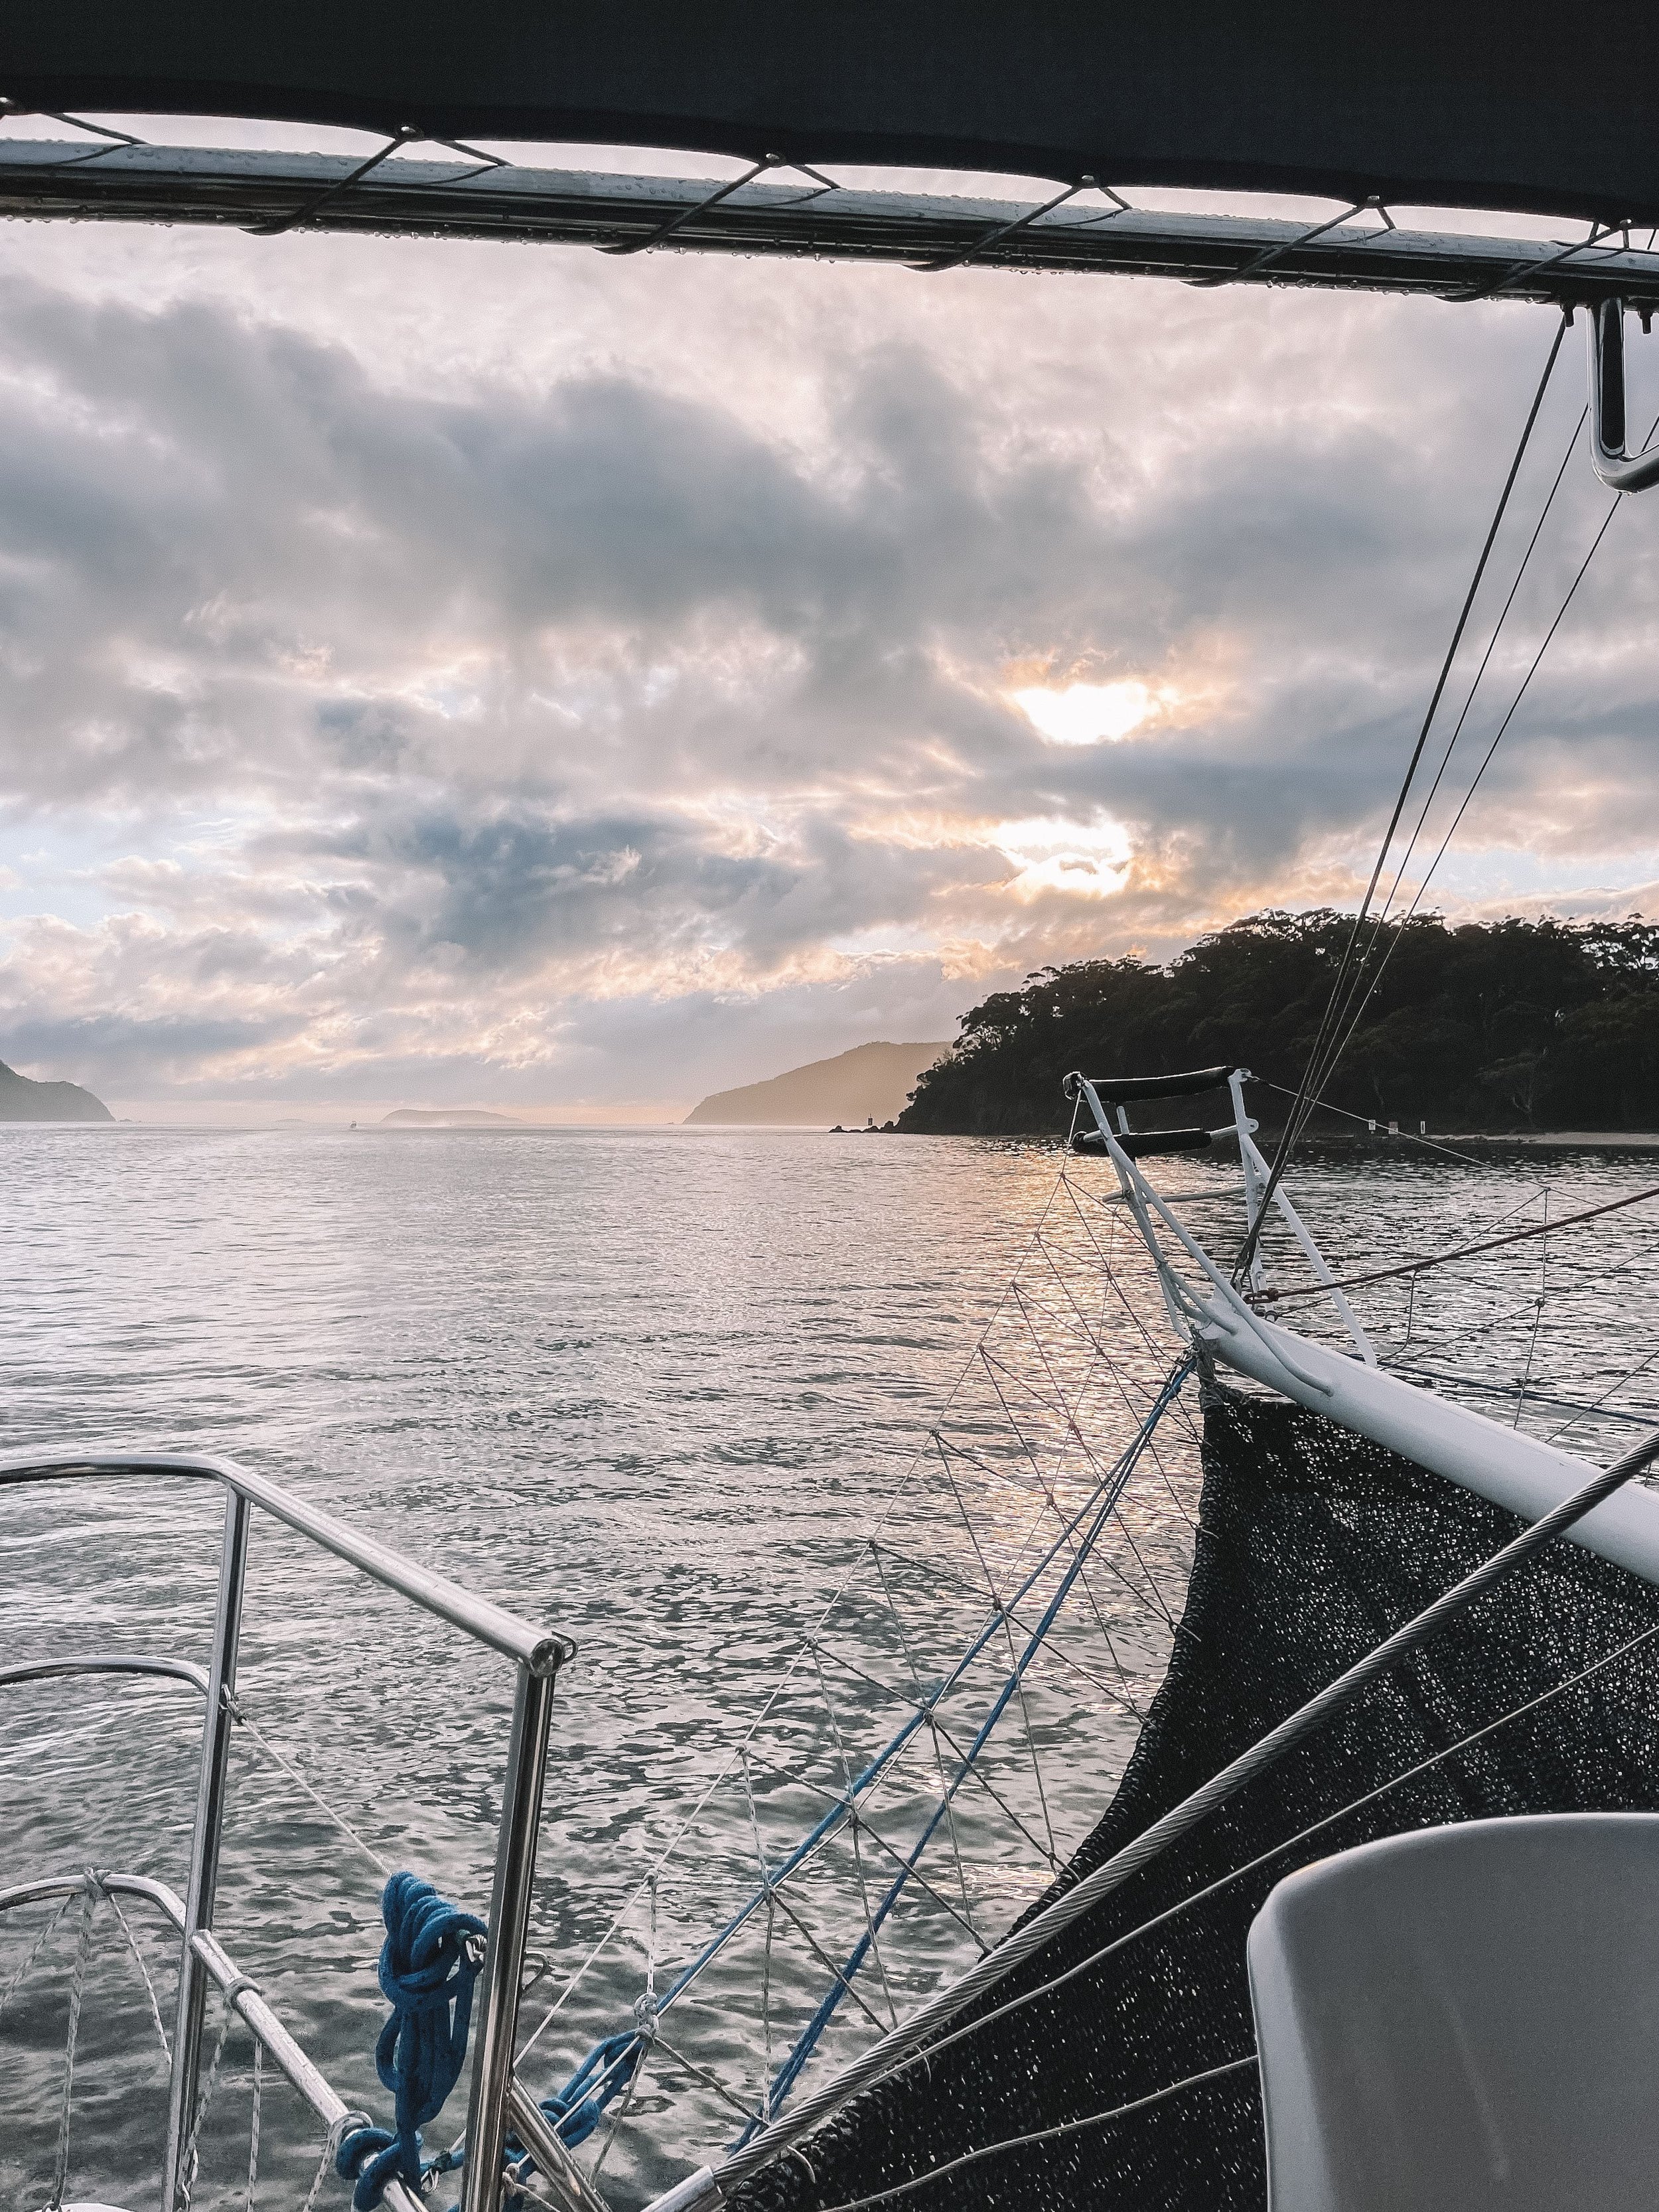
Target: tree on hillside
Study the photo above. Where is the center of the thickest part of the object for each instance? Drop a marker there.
(1510, 1024)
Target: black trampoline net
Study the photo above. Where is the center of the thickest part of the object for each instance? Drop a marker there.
(1312, 1547)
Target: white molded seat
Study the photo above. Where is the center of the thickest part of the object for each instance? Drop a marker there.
(1465, 2017)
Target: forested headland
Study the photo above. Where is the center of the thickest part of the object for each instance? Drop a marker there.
(1500, 1026)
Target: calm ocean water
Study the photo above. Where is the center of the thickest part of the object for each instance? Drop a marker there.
(649, 1385)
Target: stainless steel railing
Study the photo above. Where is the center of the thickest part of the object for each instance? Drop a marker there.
(537, 1654)
(289, 2058)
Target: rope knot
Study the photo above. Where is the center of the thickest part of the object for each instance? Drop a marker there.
(576, 2110)
(429, 1963)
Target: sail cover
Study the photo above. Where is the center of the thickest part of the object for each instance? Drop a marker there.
(1502, 104)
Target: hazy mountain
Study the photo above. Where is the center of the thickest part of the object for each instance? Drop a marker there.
(22, 1100)
(870, 1083)
(447, 1117)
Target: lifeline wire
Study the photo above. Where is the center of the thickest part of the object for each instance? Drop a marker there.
(34, 1951)
(1324, 1106)
(1466, 1251)
(1266, 1858)
(238, 1712)
(1485, 662)
(1048, 2135)
(1312, 1079)
(729, 1765)
(138, 1960)
(1463, 805)
(623, 2051)
(810, 2035)
(1236, 1775)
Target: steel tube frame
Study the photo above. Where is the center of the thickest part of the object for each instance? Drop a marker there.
(206, 1842)
(1618, 469)
(560, 2173)
(290, 2059)
(1260, 1174)
(538, 1654)
(1514, 1471)
(509, 1924)
(80, 181)
(1499, 1463)
(106, 1663)
(1186, 1306)
(538, 1648)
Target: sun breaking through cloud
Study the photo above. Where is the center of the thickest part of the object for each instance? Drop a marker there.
(470, 673)
(1086, 714)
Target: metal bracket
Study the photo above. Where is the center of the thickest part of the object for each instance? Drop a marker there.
(1619, 470)
(664, 231)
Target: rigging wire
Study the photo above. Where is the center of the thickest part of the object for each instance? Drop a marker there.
(1311, 1082)
(1041, 1928)
(728, 1764)
(1601, 1410)
(1462, 1251)
(1485, 660)
(935, 2050)
(1061, 2129)
(1324, 1106)
(1463, 805)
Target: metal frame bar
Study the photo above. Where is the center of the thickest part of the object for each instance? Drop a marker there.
(1256, 1184)
(107, 1663)
(559, 2170)
(329, 2107)
(621, 213)
(537, 1653)
(995, 236)
(720, 193)
(1259, 1174)
(206, 1846)
(1258, 1178)
(1144, 1201)
(509, 1926)
(1519, 1472)
(1499, 1463)
(1619, 470)
(1269, 255)
(540, 1650)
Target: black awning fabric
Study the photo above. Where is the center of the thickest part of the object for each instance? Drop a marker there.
(1502, 103)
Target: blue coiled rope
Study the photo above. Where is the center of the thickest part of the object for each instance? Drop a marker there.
(427, 1966)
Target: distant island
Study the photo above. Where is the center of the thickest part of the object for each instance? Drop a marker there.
(23, 1100)
(1503, 1026)
(447, 1117)
(869, 1084)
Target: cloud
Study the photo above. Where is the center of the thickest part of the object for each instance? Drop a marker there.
(385, 716)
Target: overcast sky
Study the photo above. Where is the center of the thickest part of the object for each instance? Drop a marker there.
(445, 672)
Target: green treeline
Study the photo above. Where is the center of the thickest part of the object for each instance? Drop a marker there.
(1488, 1026)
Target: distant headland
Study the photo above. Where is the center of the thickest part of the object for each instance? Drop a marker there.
(23, 1100)
(869, 1084)
(447, 1117)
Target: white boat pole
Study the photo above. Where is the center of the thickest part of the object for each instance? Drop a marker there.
(1499, 1464)
(1516, 1472)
